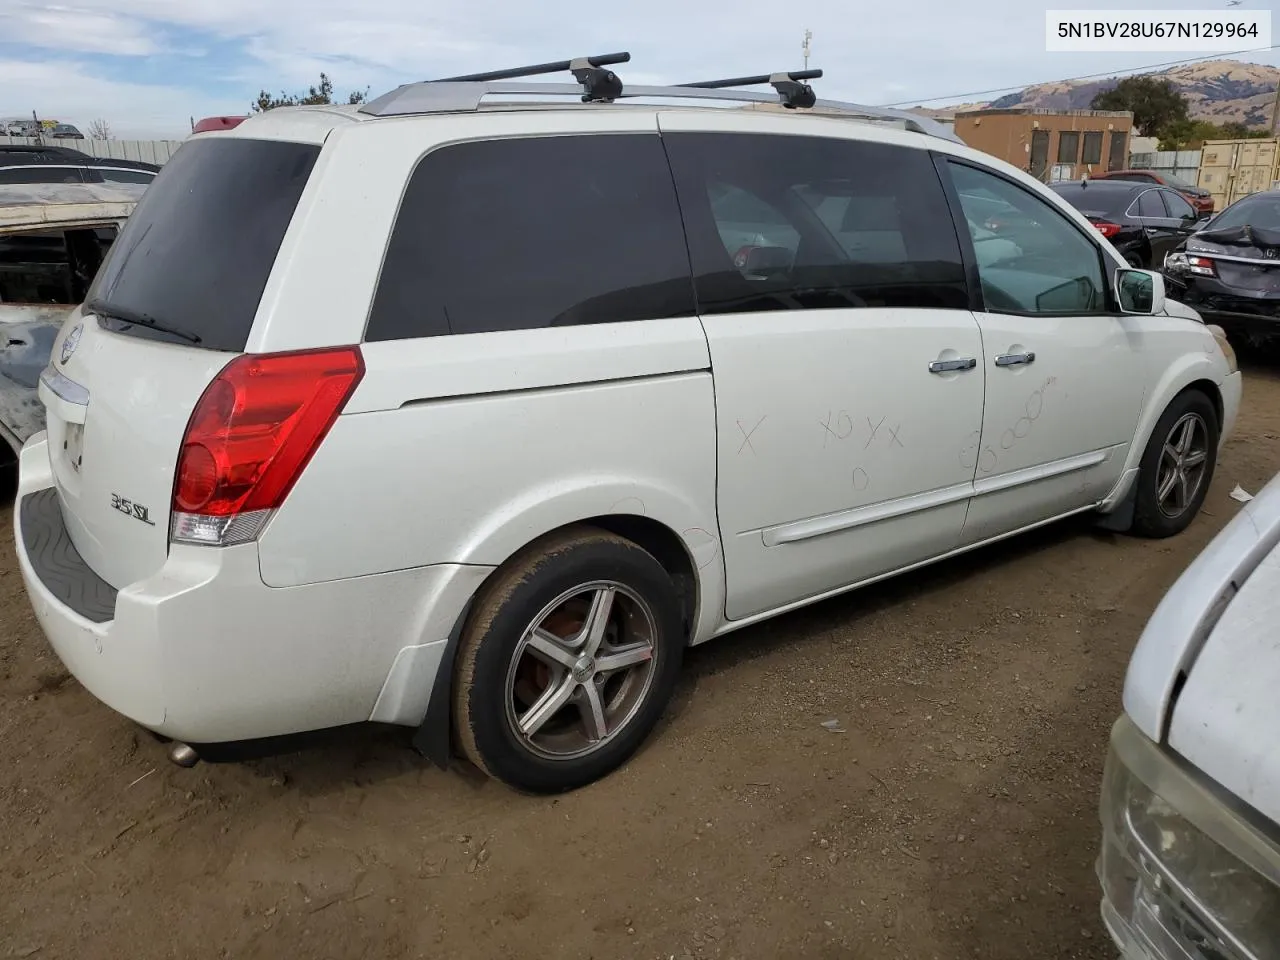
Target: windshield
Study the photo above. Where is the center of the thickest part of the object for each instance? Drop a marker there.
(1261, 210)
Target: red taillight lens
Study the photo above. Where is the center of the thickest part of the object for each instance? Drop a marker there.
(1201, 265)
(256, 427)
(1107, 229)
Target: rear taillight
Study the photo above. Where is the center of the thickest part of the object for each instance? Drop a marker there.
(1202, 265)
(250, 436)
(1106, 228)
(1179, 262)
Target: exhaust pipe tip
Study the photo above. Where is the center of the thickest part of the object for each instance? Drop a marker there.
(183, 755)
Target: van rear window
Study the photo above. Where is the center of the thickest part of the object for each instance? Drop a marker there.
(192, 261)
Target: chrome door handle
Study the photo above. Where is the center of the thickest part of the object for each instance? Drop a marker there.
(946, 366)
(1013, 359)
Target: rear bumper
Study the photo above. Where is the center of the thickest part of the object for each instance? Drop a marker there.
(203, 651)
(1234, 312)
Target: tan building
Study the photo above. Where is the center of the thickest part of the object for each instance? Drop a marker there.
(1050, 144)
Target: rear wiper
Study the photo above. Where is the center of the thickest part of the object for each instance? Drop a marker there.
(123, 314)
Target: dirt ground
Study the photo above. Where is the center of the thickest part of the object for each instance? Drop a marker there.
(952, 815)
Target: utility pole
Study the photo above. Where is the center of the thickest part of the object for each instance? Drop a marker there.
(1275, 111)
(808, 35)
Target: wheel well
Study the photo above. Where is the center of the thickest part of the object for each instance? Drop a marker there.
(666, 547)
(1210, 390)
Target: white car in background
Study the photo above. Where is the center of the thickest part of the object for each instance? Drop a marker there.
(471, 419)
(1190, 863)
(53, 238)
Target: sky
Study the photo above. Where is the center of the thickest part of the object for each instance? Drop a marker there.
(148, 66)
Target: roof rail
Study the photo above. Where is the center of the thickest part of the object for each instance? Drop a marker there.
(466, 94)
(791, 92)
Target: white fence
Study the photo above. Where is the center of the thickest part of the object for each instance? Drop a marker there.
(1183, 164)
(148, 151)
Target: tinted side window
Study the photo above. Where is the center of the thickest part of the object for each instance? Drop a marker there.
(41, 174)
(1178, 206)
(1150, 205)
(537, 232)
(116, 175)
(815, 223)
(1039, 262)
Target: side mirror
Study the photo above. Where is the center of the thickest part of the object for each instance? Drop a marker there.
(1140, 291)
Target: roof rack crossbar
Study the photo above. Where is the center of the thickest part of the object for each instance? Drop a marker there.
(752, 81)
(598, 84)
(791, 92)
(539, 69)
(466, 97)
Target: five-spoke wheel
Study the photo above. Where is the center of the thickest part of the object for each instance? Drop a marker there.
(569, 656)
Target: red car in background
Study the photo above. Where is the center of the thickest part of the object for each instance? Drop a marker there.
(1198, 197)
(217, 123)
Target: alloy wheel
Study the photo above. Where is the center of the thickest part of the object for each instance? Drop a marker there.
(581, 670)
(1183, 460)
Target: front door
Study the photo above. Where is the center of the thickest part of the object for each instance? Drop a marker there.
(847, 367)
(1168, 220)
(1065, 378)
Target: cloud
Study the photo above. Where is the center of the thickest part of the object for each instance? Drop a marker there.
(76, 29)
(191, 55)
(68, 91)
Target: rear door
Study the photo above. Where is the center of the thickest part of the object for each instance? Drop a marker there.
(173, 303)
(848, 374)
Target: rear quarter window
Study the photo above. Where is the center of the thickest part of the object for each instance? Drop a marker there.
(197, 251)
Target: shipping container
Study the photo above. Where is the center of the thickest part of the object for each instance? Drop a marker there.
(1231, 169)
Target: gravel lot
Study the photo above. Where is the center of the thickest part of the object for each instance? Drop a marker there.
(953, 813)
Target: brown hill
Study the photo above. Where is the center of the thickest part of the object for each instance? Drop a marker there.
(1217, 90)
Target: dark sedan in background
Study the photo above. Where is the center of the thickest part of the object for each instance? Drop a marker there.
(1198, 197)
(1229, 270)
(1142, 221)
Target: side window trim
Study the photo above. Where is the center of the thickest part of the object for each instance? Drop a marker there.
(1107, 265)
(968, 256)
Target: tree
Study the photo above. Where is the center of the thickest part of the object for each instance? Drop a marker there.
(1155, 103)
(314, 95)
(1191, 134)
(100, 130)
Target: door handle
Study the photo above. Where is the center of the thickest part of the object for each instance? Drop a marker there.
(1013, 359)
(946, 366)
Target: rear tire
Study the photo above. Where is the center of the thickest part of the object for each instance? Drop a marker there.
(567, 661)
(1177, 466)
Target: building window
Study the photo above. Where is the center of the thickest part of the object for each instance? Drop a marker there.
(1068, 147)
(1092, 147)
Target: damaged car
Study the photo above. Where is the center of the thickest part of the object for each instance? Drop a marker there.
(53, 237)
(1229, 270)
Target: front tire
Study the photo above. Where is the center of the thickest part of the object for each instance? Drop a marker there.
(568, 659)
(1177, 466)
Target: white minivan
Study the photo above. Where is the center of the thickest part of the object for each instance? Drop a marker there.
(469, 414)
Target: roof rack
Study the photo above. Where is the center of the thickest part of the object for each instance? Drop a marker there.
(598, 85)
(594, 84)
(791, 92)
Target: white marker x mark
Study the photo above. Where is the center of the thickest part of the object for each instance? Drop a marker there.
(746, 435)
(893, 435)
